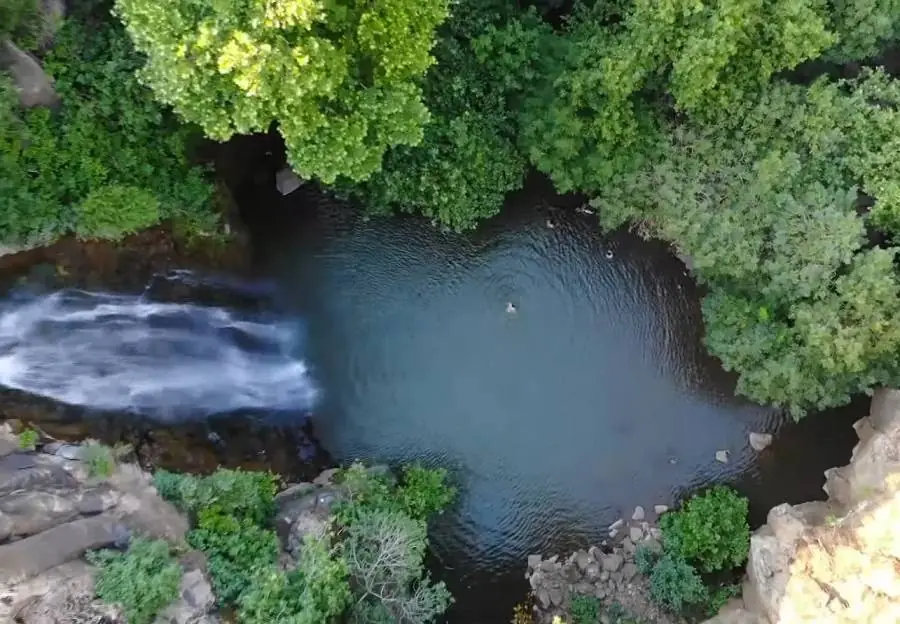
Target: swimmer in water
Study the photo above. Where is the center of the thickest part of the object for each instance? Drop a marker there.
(609, 254)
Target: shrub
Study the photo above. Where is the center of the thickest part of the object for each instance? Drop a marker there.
(710, 530)
(239, 493)
(720, 596)
(522, 614)
(20, 20)
(237, 549)
(28, 440)
(115, 210)
(584, 609)
(142, 581)
(99, 459)
(645, 558)
(314, 593)
(68, 170)
(674, 584)
(421, 493)
(384, 552)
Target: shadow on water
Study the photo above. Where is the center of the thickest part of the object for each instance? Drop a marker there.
(594, 396)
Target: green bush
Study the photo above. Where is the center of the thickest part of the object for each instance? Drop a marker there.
(421, 493)
(21, 21)
(100, 459)
(316, 592)
(113, 211)
(28, 440)
(710, 530)
(719, 596)
(584, 609)
(237, 549)
(645, 559)
(67, 170)
(674, 584)
(240, 493)
(142, 581)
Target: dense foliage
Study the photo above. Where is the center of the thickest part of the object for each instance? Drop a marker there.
(369, 568)
(708, 533)
(142, 581)
(710, 530)
(339, 78)
(111, 160)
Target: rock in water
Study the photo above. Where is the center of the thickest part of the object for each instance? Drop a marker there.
(759, 441)
(286, 181)
(722, 456)
(638, 513)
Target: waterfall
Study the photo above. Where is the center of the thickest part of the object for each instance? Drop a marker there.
(140, 353)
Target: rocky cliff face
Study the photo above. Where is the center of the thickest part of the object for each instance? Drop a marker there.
(52, 512)
(837, 561)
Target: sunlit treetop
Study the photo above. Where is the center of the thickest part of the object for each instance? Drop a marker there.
(339, 78)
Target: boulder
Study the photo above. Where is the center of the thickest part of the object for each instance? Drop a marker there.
(306, 515)
(760, 441)
(612, 563)
(722, 456)
(36, 554)
(195, 602)
(34, 86)
(638, 514)
(28, 472)
(31, 512)
(286, 181)
(61, 595)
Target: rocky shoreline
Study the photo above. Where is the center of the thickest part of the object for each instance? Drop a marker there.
(53, 511)
(830, 562)
(607, 572)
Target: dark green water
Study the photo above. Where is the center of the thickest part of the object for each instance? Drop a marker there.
(593, 397)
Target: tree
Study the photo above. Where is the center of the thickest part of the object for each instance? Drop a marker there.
(468, 160)
(766, 207)
(340, 79)
(623, 74)
(863, 27)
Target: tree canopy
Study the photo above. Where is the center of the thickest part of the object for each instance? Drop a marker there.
(339, 78)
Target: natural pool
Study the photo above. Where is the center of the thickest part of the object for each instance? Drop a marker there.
(594, 395)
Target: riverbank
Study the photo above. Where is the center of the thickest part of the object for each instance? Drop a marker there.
(830, 562)
(71, 515)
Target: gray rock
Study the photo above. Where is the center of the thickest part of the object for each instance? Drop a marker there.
(295, 491)
(613, 562)
(585, 589)
(629, 571)
(628, 547)
(534, 562)
(592, 572)
(549, 566)
(143, 511)
(195, 601)
(570, 573)
(543, 597)
(600, 592)
(613, 533)
(34, 86)
(604, 576)
(582, 559)
(636, 534)
(286, 181)
(722, 456)
(615, 526)
(660, 509)
(97, 500)
(326, 476)
(31, 556)
(638, 514)
(6, 527)
(557, 596)
(33, 472)
(32, 512)
(8, 446)
(760, 441)
(70, 451)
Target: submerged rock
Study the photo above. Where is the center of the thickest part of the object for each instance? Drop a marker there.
(760, 441)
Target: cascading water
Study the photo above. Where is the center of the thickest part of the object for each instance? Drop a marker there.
(158, 358)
